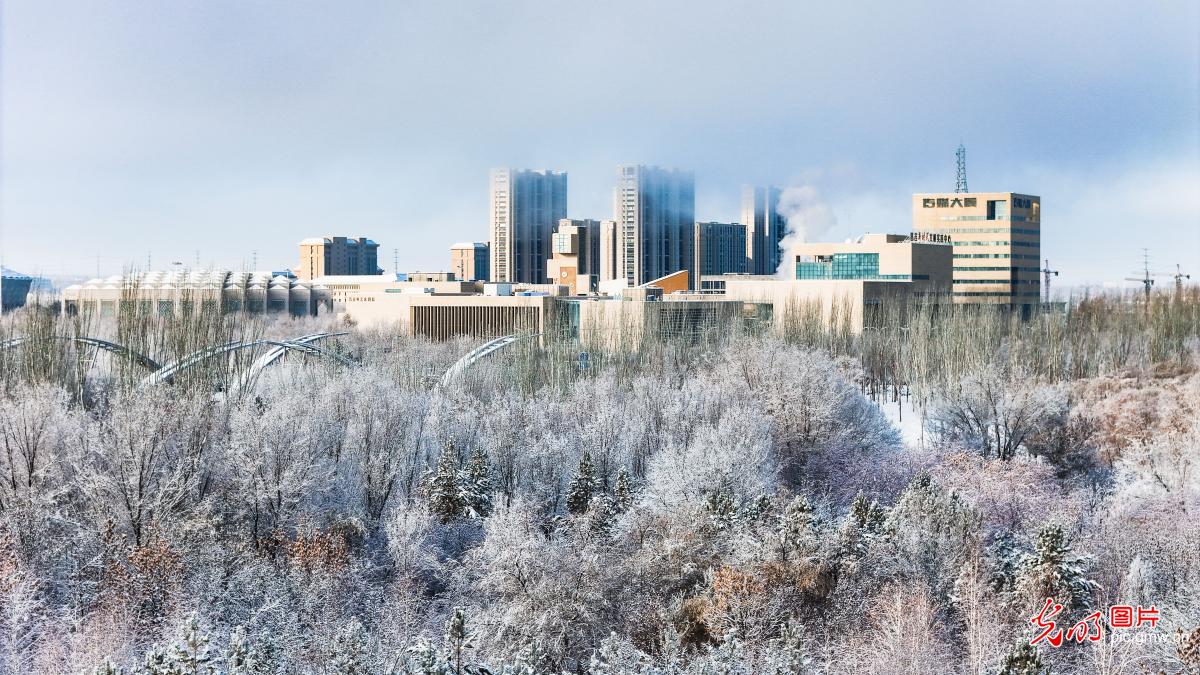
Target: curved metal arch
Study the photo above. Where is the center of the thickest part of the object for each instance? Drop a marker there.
(490, 347)
(279, 351)
(111, 347)
(168, 372)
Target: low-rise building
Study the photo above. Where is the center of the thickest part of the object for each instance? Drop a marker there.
(14, 289)
(183, 292)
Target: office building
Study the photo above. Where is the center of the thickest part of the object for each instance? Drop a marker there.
(320, 256)
(922, 258)
(575, 260)
(470, 261)
(525, 208)
(997, 243)
(720, 249)
(765, 228)
(654, 210)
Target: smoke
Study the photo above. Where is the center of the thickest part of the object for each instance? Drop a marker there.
(808, 217)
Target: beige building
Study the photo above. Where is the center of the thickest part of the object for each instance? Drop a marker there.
(470, 261)
(997, 243)
(924, 259)
(320, 256)
(575, 256)
(429, 276)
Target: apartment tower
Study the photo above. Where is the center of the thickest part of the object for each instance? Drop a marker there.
(765, 228)
(654, 210)
(328, 256)
(525, 207)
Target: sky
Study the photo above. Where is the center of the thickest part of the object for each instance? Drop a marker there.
(227, 131)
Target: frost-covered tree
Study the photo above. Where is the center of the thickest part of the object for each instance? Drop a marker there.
(579, 492)
(442, 488)
(1054, 570)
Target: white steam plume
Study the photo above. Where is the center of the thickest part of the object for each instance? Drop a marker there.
(808, 217)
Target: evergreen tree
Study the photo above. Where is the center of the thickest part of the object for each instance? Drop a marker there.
(445, 500)
(1023, 659)
(722, 512)
(475, 485)
(456, 639)
(796, 530)
(868, 517)
(348, 654)
(1054, 571)
(622, 493)
(579, 492)
(242, 658)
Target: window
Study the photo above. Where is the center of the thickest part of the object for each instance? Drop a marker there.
(997, 209)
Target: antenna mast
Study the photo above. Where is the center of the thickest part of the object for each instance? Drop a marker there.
(960, 181)
(1047, 271)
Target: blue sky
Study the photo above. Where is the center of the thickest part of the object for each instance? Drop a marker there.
(130, 129)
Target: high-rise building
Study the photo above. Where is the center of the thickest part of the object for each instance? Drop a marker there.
(720, 249)
(765, 228)
(322, 256)
(655, 218)
(575, 260)
(607, 264)
(470, 261)
(997, 243)
(525, 207)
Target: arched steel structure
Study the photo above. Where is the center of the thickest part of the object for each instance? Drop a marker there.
(111, 347)
(490, 347)
(168, 372)
(279, 351)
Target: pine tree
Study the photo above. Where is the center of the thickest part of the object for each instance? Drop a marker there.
(192, 656)
(722, 512)
(445, 500)
(622, 493)
(796, 526)
(475, 485)
(242, 658)
(1022, 660)
(1054, 571)
(457, 639)
(579, 492)
(348, 654)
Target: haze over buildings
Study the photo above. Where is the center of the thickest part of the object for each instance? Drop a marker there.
(171, 128)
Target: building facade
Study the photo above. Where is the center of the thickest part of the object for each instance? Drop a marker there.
(471, 261)
(320, 256)
(720, 249)
(14, 289)
(654, 211)
(575, 260)
(525, 207)
(186, 292)
(765, 228)
(997, 243)
(924, 259)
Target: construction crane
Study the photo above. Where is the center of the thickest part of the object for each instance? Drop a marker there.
(1048, 272)
(1179, 277)
(1147, 279)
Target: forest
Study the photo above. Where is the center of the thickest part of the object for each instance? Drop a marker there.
(787, 499)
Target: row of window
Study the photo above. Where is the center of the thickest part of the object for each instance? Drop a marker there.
(997, 269)
(1015, 219)
(988, 230)
(1022, 244)
(994, 294)
(996, 255)
(996, 281)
